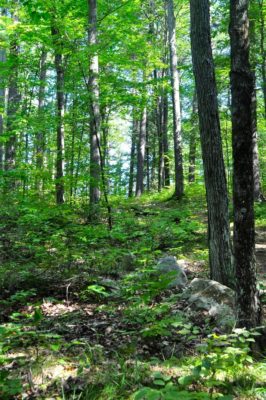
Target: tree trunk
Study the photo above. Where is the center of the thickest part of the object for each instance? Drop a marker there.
(132, 156)
(2, 107)
(263, 51)
(212, 154)
(193, 143)
(13, 100)
(179, 179)
(59, 178)
(242, 89)
(165, 141)
(95, 162)
(258, 196)
(40, 145)
(141, 154)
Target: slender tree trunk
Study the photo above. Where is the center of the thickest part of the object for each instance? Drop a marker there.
(13, 101)
(95, 162)
(193, 143)
(263, 51)
(179, 178)
(59, 178)
(211, 143)
(141, 154)
(165, 141)
(2, 107)
(242, 88)
(147, 153)
(258, 196)
(135, 127)
(40, 143)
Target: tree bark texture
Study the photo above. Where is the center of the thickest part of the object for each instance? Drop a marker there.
(242, 89)
(214, 171)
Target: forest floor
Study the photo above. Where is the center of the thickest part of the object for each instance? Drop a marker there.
(98, 325)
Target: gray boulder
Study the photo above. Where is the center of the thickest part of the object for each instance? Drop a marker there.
(217, 299)
(168, 266)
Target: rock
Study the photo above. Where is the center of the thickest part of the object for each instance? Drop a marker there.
(217, 299)
(169, 264)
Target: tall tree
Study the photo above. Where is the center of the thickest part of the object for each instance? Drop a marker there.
(211, 143)
(263, 50)
(141, 153)
(95, 162)
(2, 106)
(40, 140)
(13, 100)
(242, 87)
(175, 81)
(59, 68)
(134, 132)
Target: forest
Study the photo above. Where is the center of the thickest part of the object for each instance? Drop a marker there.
(132, 199)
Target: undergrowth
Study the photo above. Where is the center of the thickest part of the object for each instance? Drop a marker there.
(84, 316)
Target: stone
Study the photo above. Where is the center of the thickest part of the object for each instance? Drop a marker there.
(169, 264)
(217, 299)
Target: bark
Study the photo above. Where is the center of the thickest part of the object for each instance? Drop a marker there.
(95, 162)
(40, 145)
(59, 68)
(242, 89)
(179, 179)
(214, 171)
(141, 154)
(132, 157)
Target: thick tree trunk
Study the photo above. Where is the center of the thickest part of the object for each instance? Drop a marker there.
(40, 142)
(242, 88)
(60, 141)
(95, 162)
(141, 154)
(179, 178)
(212, 154)
(132, 156)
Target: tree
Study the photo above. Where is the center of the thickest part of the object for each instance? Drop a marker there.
(13, 100)
(59, 68)
(242, 88)
(141, 153)
(214, 171)
(40, 140)
(179, 178)
(95, 162)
